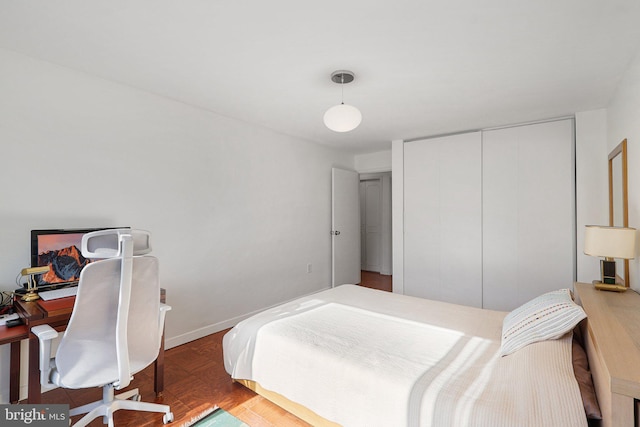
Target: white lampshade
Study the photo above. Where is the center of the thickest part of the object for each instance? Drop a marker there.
(610, 242)
(342, 118)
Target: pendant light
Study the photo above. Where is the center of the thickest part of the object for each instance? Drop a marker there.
(342, 117)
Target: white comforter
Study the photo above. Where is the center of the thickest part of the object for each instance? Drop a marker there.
(360, 357)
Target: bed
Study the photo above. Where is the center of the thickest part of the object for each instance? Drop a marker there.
(354, 356)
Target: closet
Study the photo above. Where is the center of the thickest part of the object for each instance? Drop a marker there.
(443, 219)
(489, 216)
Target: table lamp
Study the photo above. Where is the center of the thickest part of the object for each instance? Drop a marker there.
(609, 243)
(31, 294)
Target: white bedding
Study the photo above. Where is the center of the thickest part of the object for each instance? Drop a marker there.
(361, 357)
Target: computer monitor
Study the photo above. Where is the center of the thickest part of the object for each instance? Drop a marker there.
(61, 251)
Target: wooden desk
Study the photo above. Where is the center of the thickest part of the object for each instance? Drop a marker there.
(13, 336)
(613, 346)
(55, 313)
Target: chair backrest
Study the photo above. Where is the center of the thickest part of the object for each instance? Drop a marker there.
(113, 330)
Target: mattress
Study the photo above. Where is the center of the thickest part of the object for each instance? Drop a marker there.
(361, 357)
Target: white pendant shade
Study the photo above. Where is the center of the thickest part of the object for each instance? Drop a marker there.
(342, 118)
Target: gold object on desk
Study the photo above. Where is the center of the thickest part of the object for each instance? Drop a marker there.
(31, 294)
(608, 287)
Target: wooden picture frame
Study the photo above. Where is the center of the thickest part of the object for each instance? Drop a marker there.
(619, 200)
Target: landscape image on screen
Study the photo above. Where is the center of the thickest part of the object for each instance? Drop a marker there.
(61, 252)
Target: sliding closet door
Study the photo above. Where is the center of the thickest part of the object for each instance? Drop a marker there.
(528, 212)
(442, 219)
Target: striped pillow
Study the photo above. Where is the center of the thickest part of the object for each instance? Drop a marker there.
(546, 317)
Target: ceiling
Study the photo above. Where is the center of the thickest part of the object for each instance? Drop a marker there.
(423, 67)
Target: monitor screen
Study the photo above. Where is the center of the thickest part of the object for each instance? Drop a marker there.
(61, 251)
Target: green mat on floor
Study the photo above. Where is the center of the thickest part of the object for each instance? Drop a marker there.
(215, 417)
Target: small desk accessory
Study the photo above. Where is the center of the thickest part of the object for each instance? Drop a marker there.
(32, 294)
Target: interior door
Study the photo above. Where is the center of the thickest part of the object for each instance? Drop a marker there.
(345, 227)
(371, 224)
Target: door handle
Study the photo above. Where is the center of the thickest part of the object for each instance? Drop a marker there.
(335, 233)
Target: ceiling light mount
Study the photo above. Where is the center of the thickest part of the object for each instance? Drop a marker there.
(342, 117)
(342, 76)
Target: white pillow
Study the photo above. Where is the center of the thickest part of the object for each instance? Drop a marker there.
(546, 317)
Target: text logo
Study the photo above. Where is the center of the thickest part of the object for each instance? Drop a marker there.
(34, 415)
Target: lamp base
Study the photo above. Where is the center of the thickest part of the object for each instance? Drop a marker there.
(608, 287)
(30, 296)
(608, 271)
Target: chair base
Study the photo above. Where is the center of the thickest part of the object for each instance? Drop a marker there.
(111, 403)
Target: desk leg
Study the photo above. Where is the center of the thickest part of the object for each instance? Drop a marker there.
(14, 373)
(158, 368)
(34, 370)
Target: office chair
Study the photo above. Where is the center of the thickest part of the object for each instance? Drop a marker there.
(115, 329)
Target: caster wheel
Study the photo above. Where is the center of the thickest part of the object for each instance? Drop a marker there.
(167, 418)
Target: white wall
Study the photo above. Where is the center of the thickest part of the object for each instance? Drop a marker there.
(623, 121)
(236, 212)
(592, 191)
(397, 214)
(380, 161)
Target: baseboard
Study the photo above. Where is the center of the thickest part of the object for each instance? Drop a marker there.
(204, 331)
(220, 326)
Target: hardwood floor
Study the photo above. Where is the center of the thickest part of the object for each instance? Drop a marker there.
(374, 280)
(195, 380)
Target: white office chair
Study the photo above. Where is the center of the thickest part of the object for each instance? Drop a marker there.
(115, 328)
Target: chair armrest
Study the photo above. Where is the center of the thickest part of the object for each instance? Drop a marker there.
(163, 311)
(45, 334)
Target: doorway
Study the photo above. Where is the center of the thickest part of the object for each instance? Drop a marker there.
(375, 222)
